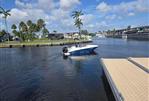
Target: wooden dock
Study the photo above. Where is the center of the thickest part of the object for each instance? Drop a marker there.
(128, 81)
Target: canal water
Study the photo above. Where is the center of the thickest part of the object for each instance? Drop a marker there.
(43, 74)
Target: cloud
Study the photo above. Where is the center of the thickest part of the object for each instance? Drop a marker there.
(103, 7)
(87, 18)
(46, 4)
(113, 17)
(55, 13)
(40, 4)
(131, 14)
(17, 15)
(67, 4)
(22, 4)
(124, 7)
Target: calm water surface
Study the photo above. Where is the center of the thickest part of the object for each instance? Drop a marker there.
(42, 74)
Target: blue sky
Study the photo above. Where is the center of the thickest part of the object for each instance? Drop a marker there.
(98, 14)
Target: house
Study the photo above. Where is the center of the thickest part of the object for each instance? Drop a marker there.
(71, 35)
(53, 36)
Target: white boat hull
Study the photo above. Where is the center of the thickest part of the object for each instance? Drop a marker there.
(81, 50)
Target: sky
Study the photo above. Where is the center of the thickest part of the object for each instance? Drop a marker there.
(98, 15)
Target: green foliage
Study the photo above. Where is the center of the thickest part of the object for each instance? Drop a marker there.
(54, 31)
(29, 22)
(45, 32)
(27, 30)
(92, 34)
(85, 32)
(40, 24)
(2, 33)
(13, 26)
(129, 27)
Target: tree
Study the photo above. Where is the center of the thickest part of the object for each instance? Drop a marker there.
(85, 32)
(40, 24)
(129, 27)
(32, 28)
(23, 30)
(5, 14)
(78, 21)
(54, 31)
(45, 31)
(2, 33)
(78, 24)
(14, 27)
(29, 22)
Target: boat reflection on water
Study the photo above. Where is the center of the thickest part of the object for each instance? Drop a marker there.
(80, 57)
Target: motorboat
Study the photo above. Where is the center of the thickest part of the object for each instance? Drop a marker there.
(79, 50)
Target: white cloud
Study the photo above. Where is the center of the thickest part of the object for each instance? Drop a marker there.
(17, 15)
(55, 13)
(124, 7)
(103, 7)
(87, 18)
(67, 4)
(131, 14)
(40, 4)
(113, 17)
(22, 4)
(46, 4)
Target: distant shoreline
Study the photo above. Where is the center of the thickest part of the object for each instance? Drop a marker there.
(40, 43)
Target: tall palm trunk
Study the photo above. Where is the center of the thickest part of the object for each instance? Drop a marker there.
(6, 28)
(79, 32)
(20, 32)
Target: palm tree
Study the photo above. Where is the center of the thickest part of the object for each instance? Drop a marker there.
(76, 14)
(54, 31)
(6, 13)
(14, 27)
(21, 29)
(2, 33)
(29, 22)
(129, 27)
(78, 24)
(78, 21)
(45, 31)
(40, 24)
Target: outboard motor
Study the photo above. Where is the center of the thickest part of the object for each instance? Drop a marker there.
(65, 49)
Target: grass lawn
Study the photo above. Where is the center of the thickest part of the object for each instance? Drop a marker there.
(40, 42)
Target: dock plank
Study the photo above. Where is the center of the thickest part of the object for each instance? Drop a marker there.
(142, 61)
(131, 82)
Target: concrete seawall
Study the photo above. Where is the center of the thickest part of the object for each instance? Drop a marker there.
(134, 36)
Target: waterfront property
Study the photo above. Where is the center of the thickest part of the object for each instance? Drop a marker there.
(139, 33)
(128, 80)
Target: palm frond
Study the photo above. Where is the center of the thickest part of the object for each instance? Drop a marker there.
(8, 11)
(9, 14)
(2, 9)
(1, 12)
